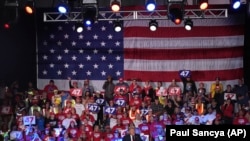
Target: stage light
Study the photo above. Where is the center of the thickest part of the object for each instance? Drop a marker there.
(117, 26)
(236, 4)
(115, 5)
(150, 5)
(203, 4)
(89, 16)
(63, 7)
(188, 24)
(153, 25)
(79, 27)
(176, 15)
(6, 25)
(29, 7)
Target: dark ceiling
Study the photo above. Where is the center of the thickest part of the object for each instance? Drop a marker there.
(106, 3)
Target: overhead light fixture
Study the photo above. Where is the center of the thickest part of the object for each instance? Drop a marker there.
(29, 7)
(115, 5)
(117, 26)
(188, 24)
(79, 27)
(176, 15)
(153, 25)
(63, 7)
(150, 5)
(236, 4)
(203, 4)
(89, 15)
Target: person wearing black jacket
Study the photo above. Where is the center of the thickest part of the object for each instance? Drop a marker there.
(132, 136)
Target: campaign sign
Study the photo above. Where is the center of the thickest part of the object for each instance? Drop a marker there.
(58, 131)
(144, 111)
(29, 120)
(16, 135)
(118, 88)
(94, 108)
(184, 73)
(232, 96)
(174, 91)
(76, 92)
(161, 92)
(100, 101)
(120, 102)
(110, 110)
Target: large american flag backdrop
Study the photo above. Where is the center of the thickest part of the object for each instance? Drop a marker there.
(214, 47)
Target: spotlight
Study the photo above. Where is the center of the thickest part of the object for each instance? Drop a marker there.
(89, 16)
(203, 4)
(79, 27)
(29, 7)
(63, 7)
(236, 4)
(117, 26)
(150, 5)
(176, 15)
(115, 5)
(6, 25)
(188, 24)
(153, 25)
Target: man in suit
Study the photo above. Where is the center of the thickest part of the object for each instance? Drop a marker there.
(132, 136)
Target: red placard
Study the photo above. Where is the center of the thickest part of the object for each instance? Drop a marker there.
(76, 92)
(174, 91)
(161, 92)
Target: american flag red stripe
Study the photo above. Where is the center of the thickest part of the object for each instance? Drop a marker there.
(170, 54)
(198, 76)
(175, 32)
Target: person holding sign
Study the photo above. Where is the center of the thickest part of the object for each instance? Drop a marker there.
(227, 109)
(75, 91)
(189, 87)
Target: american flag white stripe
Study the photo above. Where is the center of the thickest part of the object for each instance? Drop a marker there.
(173, 65)
(184, 43)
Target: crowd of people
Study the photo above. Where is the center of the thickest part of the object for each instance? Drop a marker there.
(119, 109)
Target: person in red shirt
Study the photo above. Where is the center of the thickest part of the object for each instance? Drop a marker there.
(68, 107)
(49, 89)
(73, 131)
(135, 101)
(240, 119)
(125, 120)
(108, 134)
(144, 127)
(74, 115)
(87, 116)
(97, 135)
(60, 116)
(86, 130)
(134, 86)
(118, 127)
(227, 110)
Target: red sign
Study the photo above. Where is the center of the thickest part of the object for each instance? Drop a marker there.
(76, 92)
(161, 92)
(174, 91)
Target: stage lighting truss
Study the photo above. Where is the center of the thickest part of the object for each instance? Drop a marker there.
(136, 15)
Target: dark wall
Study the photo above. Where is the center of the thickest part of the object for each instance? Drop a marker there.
(18, 49)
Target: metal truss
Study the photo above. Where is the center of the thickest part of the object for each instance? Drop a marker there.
(135, 15)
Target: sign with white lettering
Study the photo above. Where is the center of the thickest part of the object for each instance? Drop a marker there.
(29, 120)
(231, 96)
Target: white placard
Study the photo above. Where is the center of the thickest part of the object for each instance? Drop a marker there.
(232, 96)
(29, 120)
